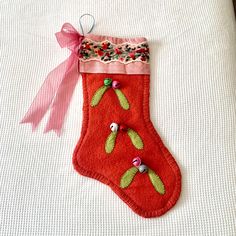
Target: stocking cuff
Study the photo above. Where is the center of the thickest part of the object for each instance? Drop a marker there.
(105, 54)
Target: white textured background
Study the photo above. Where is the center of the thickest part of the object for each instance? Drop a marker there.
(193, 107)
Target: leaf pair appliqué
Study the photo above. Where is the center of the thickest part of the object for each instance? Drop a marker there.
(129, 175)
(134, 137)
(101, 91)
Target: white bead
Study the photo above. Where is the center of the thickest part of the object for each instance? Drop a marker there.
(114, 127)
(142, 168)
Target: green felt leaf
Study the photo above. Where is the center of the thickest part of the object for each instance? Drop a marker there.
(135, 139)
(122, 99)
(156, 182)
(98, 95)
(127, 177)
(110, 142)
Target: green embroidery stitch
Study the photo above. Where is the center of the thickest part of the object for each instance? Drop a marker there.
(156, 182)
(98, 95)
(110, 142)
(135, 139)
(122, 99)
(127, 177)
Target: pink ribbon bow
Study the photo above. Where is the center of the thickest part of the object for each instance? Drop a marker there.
(56, 91)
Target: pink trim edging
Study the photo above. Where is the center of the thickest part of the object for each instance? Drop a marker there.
(116, 40)
(94, 66)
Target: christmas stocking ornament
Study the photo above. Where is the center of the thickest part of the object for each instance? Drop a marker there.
(118, 144)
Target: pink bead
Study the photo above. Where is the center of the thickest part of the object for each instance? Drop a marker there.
(137, 161)
(115, 84)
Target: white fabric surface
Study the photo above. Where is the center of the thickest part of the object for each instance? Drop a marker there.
(193, 66)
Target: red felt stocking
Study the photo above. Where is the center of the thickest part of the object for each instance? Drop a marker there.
(119, 145)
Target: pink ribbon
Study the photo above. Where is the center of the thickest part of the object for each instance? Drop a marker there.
(56, 91)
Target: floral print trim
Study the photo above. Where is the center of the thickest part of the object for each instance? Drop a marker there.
(106, 51)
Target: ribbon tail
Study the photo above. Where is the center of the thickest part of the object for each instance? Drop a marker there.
(45, 95)
(62, 99)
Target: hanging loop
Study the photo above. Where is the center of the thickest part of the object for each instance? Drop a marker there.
(81, 26)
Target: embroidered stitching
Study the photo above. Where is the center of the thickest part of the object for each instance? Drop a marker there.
(107, 52)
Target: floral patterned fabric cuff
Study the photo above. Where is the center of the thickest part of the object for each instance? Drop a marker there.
(104, 54)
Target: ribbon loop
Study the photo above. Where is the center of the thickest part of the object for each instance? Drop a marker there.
(56, 92)
(81, 26)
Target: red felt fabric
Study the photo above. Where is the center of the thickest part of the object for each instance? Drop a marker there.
(90, 158)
